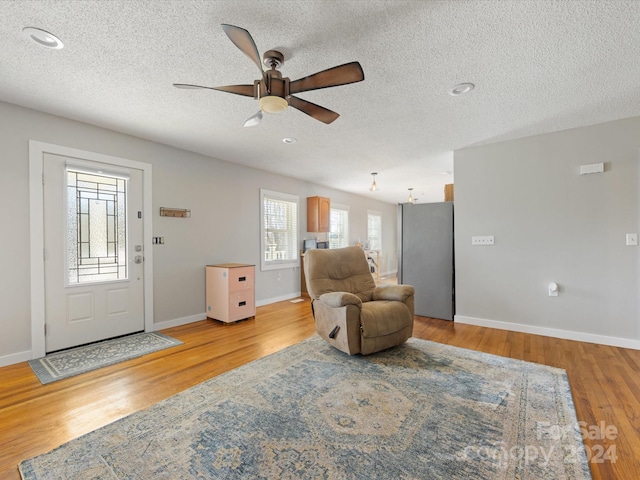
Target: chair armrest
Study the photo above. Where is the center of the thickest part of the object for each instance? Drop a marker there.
(340, 299)
(398, 293)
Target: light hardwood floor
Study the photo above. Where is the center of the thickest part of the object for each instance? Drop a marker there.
(36, 418)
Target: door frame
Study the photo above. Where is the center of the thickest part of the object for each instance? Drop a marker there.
(37, 149)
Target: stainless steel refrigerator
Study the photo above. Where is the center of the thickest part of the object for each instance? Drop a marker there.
(426, 258)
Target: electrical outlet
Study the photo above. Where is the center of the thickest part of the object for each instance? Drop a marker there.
(482, 240)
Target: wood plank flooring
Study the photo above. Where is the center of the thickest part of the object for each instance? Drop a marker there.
(36, 418)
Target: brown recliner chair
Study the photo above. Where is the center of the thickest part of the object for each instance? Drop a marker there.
(351, 313)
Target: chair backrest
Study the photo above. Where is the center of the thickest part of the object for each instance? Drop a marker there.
(338, 270)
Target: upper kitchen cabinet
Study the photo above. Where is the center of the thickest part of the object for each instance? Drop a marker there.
(318, 211)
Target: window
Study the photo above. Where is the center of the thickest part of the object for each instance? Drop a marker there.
(374, 230)
(339, 226)
(279, 230)
(96, 227)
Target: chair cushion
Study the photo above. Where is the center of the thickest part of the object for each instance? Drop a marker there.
(338, 270)
(382, 317)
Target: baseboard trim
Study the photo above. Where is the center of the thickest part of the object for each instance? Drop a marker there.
(267, 301)
(551, 332)
(14, 358)
(176, 322)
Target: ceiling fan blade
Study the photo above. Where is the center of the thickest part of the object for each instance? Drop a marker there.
(189, 86)
(242, 39)
(314, 111)
(245, 90)
(332, 77)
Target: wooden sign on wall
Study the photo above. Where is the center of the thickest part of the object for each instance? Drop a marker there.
(175, 212)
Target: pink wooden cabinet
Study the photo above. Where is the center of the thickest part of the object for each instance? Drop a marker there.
(230, 292)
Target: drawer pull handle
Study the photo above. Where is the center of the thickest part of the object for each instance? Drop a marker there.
(242, 304)
(242, 279)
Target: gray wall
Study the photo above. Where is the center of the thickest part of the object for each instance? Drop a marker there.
(224, 224)
(551, 225)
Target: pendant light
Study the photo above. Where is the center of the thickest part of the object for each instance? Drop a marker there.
(373, 186)
(411, 199)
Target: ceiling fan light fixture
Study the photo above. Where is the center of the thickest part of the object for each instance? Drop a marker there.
(273, 104)
(43, 38)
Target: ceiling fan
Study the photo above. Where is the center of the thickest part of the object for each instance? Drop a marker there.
(274, 92)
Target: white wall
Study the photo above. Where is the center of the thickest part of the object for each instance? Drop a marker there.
(551, 225)
(224, 224)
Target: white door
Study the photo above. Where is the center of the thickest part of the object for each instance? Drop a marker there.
(93, 237)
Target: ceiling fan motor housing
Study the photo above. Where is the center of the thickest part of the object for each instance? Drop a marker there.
(273, 90)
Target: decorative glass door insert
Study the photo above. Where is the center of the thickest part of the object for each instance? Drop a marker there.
(96, 227)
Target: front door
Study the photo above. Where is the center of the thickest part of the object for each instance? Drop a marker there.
(93, 237)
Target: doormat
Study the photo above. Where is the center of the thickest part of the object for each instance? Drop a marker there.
(75, 361)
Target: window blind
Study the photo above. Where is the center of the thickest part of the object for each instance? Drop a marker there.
(339, 228)
(374, 231)
(279, 229)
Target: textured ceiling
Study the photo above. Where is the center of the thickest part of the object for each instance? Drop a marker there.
(538, 66)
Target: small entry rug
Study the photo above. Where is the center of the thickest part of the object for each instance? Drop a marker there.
(419, 411)
(75, 361)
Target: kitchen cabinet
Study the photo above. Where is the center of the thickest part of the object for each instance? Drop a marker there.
(318, 212)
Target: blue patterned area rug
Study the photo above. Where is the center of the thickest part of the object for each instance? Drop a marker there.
(419, 411)
(75, 361)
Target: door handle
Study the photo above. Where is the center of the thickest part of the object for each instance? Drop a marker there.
(138, 259)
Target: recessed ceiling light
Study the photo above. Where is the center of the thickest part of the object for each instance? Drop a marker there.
(289, 140)
(461, 89)
(43, 38)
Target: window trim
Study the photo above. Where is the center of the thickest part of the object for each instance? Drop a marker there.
(278, 264)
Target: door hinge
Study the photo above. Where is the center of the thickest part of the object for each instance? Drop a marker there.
(45, 329)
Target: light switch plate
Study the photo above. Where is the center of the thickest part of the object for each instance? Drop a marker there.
(593, 168)
(632, 239)
(482, 240)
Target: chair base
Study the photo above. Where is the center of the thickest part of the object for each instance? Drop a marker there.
(348, 337)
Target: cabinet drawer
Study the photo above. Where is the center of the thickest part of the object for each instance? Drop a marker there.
(240, 279)
(241, 305)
